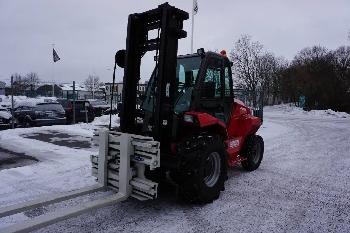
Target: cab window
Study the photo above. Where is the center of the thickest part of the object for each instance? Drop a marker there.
(228, 81)
(212, 86)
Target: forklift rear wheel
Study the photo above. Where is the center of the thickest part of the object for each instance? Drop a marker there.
(208, 173)
(253, 152)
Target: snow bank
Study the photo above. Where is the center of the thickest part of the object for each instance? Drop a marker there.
(81, 129)
(5, 114)
(292, 110)
(104, 120)
(23, 100)
(59, 169)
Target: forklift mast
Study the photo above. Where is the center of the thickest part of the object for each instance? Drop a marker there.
(168, 20)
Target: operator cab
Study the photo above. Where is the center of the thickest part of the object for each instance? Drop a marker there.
(203, 84)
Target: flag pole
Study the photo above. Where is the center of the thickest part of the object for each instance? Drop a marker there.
(192, 25)
(53, 73)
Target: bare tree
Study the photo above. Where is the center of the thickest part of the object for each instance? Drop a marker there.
(246, 58)
(267, 70)
(310, 54)
(93, 83)
(19, 84)
(270, 73)
(342, 61)
(32, 80)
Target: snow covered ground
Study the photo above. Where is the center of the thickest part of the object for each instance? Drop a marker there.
(302, 184)
(289, 109)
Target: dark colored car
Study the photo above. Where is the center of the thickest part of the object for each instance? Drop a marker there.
(116, 109)
(5, 118)
(82, 107)
(99, 107)
(40, 114)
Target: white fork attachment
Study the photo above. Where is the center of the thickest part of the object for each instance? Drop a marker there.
(119, 166)
(142, 151)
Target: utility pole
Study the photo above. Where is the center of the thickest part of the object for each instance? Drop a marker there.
(12, 104)
(73, 102)
(86, 104)
(93, 87)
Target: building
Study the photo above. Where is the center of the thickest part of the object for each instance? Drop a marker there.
(118, 90)
(80, 91)
(49, 89)
(46, 90)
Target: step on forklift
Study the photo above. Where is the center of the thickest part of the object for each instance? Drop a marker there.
(188, 126)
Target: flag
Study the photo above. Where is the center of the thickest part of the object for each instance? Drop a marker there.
(195, 7)
(55, 56)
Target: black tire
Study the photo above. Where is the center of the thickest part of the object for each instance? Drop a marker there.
(204, 172)
(28, 122)
(253, 152)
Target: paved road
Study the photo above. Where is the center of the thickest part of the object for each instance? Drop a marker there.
(302, 185)
(10, 159)
(61, 139)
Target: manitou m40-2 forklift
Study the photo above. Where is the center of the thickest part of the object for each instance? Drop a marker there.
(187, 127)
(189, 107)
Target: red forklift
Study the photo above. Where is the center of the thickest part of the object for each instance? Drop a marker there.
(189, 107)
(187, 127)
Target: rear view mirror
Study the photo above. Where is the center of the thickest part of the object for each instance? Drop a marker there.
(120, 58)
(201, 52)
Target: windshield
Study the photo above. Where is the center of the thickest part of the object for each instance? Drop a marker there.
(187, 69)
(97, 102)
(49, 107)
(186, 72)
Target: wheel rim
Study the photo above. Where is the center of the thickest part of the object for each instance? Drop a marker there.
(212, 169)
(256, 153)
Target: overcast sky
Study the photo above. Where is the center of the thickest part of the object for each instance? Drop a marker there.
(87, 33)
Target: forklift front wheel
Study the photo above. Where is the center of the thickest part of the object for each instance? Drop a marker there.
(212, 169)
(208, 173)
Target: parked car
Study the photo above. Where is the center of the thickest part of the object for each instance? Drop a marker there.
(40, 114)
(80, 112)
(115, 110)
(5, 118)
(99, 107)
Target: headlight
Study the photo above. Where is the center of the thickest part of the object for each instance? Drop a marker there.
(188, 118)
